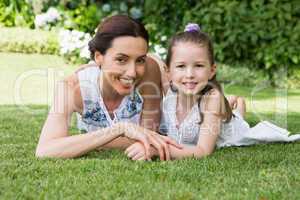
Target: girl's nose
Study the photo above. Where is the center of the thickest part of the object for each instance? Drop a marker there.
(189, 72)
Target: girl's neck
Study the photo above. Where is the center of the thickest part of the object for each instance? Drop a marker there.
(184, 105)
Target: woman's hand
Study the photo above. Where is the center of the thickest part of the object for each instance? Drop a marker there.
(136, 151)
(148, 138)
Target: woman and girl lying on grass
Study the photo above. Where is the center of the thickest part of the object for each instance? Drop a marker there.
(130, 100)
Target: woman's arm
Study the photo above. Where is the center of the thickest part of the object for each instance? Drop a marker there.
(150, 89)
(55, 140)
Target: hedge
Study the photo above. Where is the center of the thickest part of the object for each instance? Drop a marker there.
(25, 40)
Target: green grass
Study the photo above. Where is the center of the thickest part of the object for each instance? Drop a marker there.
(267, 171)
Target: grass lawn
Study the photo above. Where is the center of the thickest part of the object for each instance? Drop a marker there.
(267, 171)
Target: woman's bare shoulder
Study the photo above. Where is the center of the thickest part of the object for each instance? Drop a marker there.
(72, 83)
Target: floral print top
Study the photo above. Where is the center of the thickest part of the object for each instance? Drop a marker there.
(95, 114)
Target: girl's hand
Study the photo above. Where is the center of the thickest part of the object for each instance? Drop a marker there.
(147, 138)
(137, 151)
(232, 100)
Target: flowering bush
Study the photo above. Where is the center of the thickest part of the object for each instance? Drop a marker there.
(74, 45)
(48, 19)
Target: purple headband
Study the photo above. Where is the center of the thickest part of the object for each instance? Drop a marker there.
(192, 27)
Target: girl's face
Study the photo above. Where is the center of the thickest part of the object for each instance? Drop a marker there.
(123, 64)
(190, 68)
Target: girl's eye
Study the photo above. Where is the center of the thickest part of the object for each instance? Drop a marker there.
(141, 61)
(199, 65)
(180, 66)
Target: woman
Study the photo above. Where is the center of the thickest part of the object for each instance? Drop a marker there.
(107, 98)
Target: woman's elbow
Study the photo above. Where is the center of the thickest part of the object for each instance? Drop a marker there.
(40, 152)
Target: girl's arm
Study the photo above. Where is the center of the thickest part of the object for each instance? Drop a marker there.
(209, 131)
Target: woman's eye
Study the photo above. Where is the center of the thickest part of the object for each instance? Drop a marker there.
(121, 60)
(141, 61)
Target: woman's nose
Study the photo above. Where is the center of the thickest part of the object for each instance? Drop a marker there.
(131, 70)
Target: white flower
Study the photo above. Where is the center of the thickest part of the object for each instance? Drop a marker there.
(159, 49)
(135, 13)
(106, 7)
(52, 14)
(74, 42)
(42, 20)
(77, 34)
(85, 52)
(163, 38)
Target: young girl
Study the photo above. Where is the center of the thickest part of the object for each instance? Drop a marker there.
(195, 110)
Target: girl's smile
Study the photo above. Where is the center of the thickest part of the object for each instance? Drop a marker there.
(190, 68)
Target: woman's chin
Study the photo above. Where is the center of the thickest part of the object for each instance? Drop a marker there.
(123, 91)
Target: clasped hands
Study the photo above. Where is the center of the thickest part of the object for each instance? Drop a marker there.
(148, 143)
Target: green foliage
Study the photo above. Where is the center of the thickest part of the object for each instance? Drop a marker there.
(294, 79)
(263, 33)
(238, 74)
(16, 13)
(28, 41)
(83, 18)
(85, 15)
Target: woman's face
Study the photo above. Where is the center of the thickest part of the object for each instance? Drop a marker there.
(124, 63)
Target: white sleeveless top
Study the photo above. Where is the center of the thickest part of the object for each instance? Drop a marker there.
(95, 114)
(236, 132)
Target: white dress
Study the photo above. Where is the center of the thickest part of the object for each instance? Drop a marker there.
(236, 132)
(95, 114)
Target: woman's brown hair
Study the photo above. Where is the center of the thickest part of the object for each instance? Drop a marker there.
(113, 27)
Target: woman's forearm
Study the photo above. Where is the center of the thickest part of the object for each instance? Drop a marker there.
(119, 143)
(77, 145)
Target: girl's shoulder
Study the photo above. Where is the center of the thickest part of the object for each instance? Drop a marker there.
(212, 101)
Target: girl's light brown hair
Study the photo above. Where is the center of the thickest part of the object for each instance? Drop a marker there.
(203, 40)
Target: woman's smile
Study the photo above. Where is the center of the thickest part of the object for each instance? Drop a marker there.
(126, 82)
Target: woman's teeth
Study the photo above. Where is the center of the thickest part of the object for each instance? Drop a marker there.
(126, 81)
